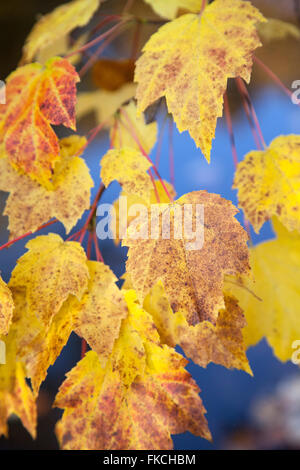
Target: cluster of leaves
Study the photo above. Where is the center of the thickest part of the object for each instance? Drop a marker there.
(131, 389)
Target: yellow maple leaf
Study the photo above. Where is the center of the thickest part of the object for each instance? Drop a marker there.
(6, 307)
(141, 397)
(131, 199)
(275, 29)
(130, 130)
(192, 275)
(29, 204)
(104, 104)
(169, 9)
(50, 271)
(129, 167)
(37, 97)
(58, 24)
(270, 303)
(16, 396)
(189, 61)
(268, 183)
(204, 343)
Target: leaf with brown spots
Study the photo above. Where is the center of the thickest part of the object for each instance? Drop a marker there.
(57, 25)
(192, 273)
(16, 396)
(222, 343)
(97, 318)
(141, 397)
(189, 61)
(6, 307)
(37, 97)
(129, 167)
(268, 183)
(99, 314)
(50, 272)
(130, 130)
(29, 204)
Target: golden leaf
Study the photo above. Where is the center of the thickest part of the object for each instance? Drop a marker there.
(37, 97)
(15, 395)
(189, 61)
(204, 343)
(129, 167)
(100, 311)
(50, 271)
(141, 397)
(29, 205)
(273, 311)
(130, 130)
(111, 75)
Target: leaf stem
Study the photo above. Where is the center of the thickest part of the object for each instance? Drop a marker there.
(8, 244)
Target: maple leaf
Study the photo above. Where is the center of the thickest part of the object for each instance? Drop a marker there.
(275, 29)
(132, 199)
(29, 205)
(192, 278)
(141, 397)
(111, 75)
(96, 318)
(103, 104)
(6, 307)
(16, 397)
(130, 130)
(189, 61)
(50, 271)
(37, 96)
(58, 24)
(270, 303)
(37, 346)
(170, 8)
(63, 46)
(129, 167)
(268, 183)
(204, 343)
